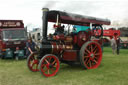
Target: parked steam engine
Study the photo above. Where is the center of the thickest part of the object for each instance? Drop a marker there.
(71, 47)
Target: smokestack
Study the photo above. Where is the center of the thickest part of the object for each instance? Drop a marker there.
(44, 23)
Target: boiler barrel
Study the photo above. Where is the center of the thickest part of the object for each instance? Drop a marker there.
(54, 47)
(46, 48)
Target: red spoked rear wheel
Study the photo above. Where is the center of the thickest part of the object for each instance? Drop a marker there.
(32, 62)
(49, 65)
(90, 55)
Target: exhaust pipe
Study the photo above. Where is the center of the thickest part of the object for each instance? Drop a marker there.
(45, 23)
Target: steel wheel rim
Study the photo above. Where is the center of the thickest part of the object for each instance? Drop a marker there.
(92, 55)
(49, 66)
(33, 63)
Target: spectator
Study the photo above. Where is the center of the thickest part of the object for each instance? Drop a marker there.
(118, 45)
(50, 36)
(30, 47)
(113, 45)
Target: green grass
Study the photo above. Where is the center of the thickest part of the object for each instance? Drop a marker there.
(112, 71)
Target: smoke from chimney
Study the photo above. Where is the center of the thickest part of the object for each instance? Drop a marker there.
(50, 4)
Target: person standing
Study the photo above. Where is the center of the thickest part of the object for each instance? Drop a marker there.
(30, 47)
(113, 45)
(118, 45)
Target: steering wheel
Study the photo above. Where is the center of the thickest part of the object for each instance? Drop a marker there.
(97, 31)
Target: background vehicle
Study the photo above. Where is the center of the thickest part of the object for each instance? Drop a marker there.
(108, 34)
(68, 46)
(114, 33)
(13, 38)
(124, 44)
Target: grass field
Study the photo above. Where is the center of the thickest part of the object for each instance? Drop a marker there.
(112, 71)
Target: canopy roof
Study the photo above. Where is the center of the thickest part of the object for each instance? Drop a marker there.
(76, 19)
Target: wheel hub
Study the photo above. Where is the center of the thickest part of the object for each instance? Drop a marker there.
(91, 55)
(50, 66)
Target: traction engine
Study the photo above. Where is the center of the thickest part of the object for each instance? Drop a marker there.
(71, 47)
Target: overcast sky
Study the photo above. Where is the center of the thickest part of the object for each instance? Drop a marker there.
(30, 10)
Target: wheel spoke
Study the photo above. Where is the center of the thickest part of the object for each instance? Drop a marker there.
(95, 51)
(53, 62)
(90, 55)
(55, 66)
(50, 65)
(95, 61)
(43, 65)
(85, 60)
(87, 50)
(48, 71)
(94, 48)
(88, 61)
(32, 65)
(97, 54)
(86, 56)
(45, 69)
(46, 61)
(95, 57)
(50, 59)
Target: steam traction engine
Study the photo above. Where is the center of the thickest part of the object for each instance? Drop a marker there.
(68, 47)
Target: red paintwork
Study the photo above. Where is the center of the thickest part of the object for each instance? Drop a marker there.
(10, 25)
(59, 37)
(110, 33)
(70, 55)
(82, 37)
(2, 45)
(69, 47)
(75, 39)
(49, 65)
(95, 50)
(57, 48)
(33, 63)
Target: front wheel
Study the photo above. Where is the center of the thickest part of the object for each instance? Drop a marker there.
(49, 65)
(90, 55)
(32, 62)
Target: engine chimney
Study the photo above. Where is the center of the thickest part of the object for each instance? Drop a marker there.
(44, 23)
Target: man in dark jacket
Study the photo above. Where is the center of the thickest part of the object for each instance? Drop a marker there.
(30, 47)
